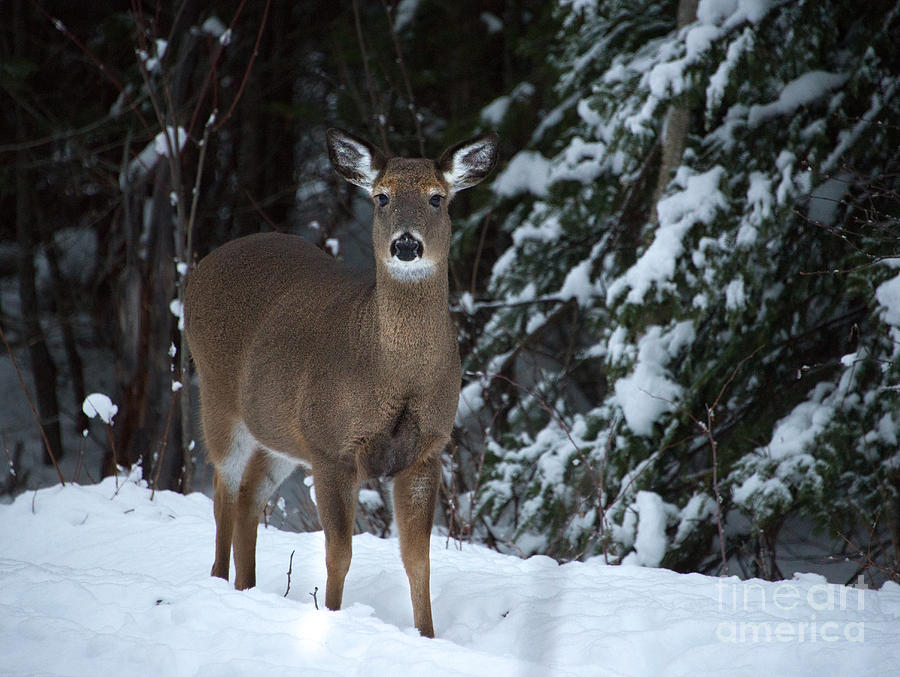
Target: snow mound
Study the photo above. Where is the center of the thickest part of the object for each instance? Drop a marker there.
(96, 581)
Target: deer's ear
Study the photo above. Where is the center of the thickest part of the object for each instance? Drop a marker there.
(356, 160)
(467, 163)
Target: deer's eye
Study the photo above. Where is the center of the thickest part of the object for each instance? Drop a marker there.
(435, 200)
(382, 199)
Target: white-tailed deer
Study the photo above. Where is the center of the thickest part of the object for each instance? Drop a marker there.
(302, 361)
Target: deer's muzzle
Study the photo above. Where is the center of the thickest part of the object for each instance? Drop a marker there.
(407, 247)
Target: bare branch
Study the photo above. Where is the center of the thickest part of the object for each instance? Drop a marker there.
(290, 569)
(411, 99)
(377, 111)
(240, 92)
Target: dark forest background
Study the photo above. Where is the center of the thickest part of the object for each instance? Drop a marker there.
(92, 229)
(137, 136)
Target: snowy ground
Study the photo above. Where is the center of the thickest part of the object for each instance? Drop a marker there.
(95, 581)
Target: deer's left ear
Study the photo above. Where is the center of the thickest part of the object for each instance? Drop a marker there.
(467, 163)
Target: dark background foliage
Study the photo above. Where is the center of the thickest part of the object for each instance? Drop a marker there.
(97, 230)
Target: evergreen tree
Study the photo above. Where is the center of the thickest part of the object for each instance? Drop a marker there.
(664, 357)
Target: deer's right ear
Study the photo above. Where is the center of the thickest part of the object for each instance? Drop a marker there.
(355, 159)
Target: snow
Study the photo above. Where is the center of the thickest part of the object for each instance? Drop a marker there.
(647, 392)
(213, 26)
(578, 285)
(98, 404)
(158, 148)
(801, 91)
(849, 359)
(729, 13)
(735, 295)
(95, 580)
(798, 430)
(760, 202)
(176, 137)
(176, 307)
(470, 402)
(527, 172)
(825, 199)
(718, 81)
(650, 542)
(846, 138)
(664, 73)
(699, 201)
(756, 490)
(404, 13)
(695, 513)
(495, 111)
(492, 23)
(888, 296)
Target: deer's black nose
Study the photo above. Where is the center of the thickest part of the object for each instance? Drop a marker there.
(407, 247)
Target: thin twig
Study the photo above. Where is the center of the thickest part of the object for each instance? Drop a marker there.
(411, 99)
(195, 196)
(184, 352)
(609, 444)
(707, 430)
(240, 92)
(290, 569)
(259, 210)
(61, 27)
(598, 493)
(867, 561)
(112, 446)
(377, 113)
(478, 251)
(209, 77)
(714, 444)
(77, 473)
(162, 449)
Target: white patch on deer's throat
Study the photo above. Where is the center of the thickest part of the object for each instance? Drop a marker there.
(410, 271)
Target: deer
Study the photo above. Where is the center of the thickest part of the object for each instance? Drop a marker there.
(301, 360)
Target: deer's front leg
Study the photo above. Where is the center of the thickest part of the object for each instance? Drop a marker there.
(415, 494)
(336, 492)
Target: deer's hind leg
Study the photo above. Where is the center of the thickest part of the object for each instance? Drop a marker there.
(228, 449)
(223, 509)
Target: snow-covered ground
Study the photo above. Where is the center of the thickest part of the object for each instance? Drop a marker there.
(100, 581)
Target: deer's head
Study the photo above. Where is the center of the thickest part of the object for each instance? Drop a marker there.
(411, 227)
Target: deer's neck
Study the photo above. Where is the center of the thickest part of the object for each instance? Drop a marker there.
(412, 317)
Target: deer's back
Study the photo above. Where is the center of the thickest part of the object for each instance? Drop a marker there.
(236, 292)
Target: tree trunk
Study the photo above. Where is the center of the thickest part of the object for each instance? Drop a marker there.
(43, 369)
(65, 311)
(676, 123)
